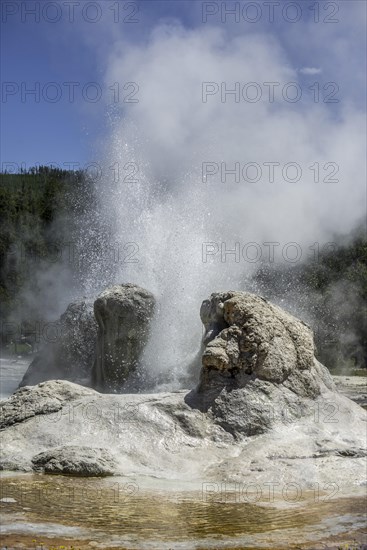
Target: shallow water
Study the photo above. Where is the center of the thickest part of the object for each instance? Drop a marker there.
(12, 370)
(119, 514)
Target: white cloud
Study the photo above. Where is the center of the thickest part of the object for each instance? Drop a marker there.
(310, 70)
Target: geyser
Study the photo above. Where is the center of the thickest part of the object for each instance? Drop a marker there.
(156, 197)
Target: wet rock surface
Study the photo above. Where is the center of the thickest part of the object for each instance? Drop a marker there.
(247, 337)
(43, 399)
(253, 414)
(160, 436)
(123, 313)
(70, 354)
(354, 387)
(256, 355)
(73, 460)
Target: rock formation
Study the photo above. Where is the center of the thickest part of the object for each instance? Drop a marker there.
(100, 346)
(60, 427)
(247, 337)
(43, 399)
(264, 410)
(70, 354)
(77, 461)
(123, 313)
(255, 355)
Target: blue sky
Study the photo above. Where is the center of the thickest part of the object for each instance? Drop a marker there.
(79, 51)
(64, 51)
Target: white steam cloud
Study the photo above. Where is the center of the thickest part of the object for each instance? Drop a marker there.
(167, 209)
(310, 70)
